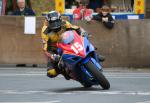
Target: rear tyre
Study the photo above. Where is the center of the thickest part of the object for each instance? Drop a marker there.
(98, 75)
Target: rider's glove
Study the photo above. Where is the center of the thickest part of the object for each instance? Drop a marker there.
(55, 57)
(48, 54)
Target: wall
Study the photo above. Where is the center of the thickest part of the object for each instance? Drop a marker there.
(127, 45)
(15, 46)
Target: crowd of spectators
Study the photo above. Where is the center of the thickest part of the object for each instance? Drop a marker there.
(85, 12)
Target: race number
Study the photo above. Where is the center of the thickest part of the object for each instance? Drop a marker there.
(76, 47)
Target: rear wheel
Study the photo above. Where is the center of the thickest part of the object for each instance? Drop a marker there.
(98, 75)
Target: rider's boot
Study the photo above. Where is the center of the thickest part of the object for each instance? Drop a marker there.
(51, 72)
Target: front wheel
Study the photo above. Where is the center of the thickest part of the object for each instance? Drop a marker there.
(98, 75)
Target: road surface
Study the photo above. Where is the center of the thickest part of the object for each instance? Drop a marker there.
(30, 85)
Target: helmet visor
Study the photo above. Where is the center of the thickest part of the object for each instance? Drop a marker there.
(55, 24)
(53, 16)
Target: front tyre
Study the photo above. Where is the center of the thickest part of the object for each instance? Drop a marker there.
(98, 75)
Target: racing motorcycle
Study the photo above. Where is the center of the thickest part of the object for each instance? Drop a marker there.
(79, 60)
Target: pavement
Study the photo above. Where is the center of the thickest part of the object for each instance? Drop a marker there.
(30, 85)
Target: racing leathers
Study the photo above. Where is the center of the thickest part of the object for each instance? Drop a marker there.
(50, 38)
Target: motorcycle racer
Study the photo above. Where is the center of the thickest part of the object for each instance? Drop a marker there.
(51, 32)
(53, 27)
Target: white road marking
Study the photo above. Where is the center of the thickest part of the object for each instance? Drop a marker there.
(20, 92)
(34, 102)
(18, 74)
(136, 93)
(121, 77)
(144, 102)
(108, 75)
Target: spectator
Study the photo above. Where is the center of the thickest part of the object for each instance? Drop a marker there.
(23, 10)
(82, 12)
(95, 4)
(105, 17)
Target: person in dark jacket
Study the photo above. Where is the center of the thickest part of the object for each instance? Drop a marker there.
(105, 17)
(23, 10)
